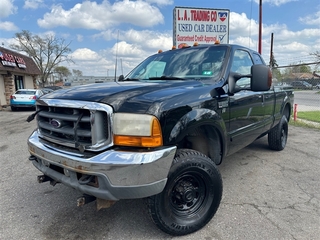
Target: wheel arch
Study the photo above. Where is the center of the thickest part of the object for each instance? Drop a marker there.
(201, 130)
(287, 111)
(287, 105)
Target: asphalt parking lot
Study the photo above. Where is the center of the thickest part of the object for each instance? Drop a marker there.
(267, 195)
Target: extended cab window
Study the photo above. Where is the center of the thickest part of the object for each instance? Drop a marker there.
(257, 59)
(241, 64)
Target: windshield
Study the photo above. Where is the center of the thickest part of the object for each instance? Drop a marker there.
(188, 63)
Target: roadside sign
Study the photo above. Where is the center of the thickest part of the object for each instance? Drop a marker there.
(201, 25)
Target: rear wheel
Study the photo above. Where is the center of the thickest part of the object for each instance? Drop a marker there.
(277, 137)
(13, 109)
(191, 196)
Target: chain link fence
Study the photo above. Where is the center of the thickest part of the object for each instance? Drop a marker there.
(305, 81)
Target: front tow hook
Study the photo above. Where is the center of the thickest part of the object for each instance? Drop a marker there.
(45, 178)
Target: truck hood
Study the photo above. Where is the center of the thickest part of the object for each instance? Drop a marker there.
(135, 96)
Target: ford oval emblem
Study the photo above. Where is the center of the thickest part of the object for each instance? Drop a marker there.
(55, 123)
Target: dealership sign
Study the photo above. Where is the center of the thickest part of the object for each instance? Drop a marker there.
(11, 60)
(201, 25)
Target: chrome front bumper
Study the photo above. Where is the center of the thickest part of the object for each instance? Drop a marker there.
(120, 174)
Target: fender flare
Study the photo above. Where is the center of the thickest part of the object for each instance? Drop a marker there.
(198, 118)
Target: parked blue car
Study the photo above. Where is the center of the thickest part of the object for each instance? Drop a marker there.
(25, 98)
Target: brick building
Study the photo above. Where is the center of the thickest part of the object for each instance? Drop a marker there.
(16, 71)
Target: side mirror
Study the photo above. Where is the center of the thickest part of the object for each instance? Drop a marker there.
(121, 78)
(261, 78)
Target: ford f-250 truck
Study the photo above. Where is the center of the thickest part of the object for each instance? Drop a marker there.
(160, 132)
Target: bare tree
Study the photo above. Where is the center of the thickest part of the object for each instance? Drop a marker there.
(316, 54)
(273, 62)
(47, 52)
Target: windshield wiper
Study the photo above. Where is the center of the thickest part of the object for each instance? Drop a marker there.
(165, 78)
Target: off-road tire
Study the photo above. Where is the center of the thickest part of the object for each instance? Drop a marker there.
(191, 196)
(277, 137)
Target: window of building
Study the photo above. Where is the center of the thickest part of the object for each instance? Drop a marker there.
(18, 82)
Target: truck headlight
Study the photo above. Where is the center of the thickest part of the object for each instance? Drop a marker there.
(136, 130)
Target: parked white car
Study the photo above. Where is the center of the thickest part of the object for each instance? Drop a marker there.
(25, 98)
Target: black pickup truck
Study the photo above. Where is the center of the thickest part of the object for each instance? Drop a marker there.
(160, 132)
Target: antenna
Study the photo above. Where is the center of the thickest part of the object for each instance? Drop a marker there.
(115, 70)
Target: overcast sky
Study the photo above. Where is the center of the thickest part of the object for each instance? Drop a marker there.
(143, 27)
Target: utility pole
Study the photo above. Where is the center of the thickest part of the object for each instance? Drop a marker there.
(260, 26)
(271, 53)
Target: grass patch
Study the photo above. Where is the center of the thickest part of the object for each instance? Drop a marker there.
(309, 119)
(300, 123)
(313, 116)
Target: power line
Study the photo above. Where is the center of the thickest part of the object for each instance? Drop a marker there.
(296, 60)
(298, 65)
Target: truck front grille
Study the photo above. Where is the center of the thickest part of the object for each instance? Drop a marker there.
(77, 124)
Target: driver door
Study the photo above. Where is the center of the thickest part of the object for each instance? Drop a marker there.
(246, 109)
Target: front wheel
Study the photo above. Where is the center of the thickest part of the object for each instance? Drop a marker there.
(191, 196)
(277, 137)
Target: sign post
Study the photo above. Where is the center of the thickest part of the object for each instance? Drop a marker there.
(201, 25)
